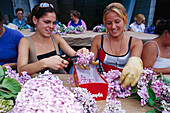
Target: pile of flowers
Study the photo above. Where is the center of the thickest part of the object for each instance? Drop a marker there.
(84, 97)
(79, 29)
(99, 28)
(115, 89)
(113, 106)
(153, 90)
(46, 94)
(89, 104)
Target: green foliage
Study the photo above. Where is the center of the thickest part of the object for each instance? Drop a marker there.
(166, 80)
(151, 102)
(9, 87)
(152, 111)
(5, 105)
(11, 84)
(151, 93)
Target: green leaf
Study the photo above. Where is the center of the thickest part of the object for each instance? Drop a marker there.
(11, 84)
(4, 69)
(166, 79)
(134, 90)
(158, 98)
(6, 95)
(151, 102)
(149, 83)
(152, 111)
(159, 109)
(151, 93)
(1, 71)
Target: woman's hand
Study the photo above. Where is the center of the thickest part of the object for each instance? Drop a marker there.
(83, 51)
(55, 62)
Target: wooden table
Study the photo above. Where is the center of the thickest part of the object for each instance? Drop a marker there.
(130, 105)
(85, 39)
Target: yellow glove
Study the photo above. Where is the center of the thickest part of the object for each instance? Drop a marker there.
(86, 67)
(131, 72)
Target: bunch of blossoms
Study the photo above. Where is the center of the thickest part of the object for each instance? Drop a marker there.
(113, 107)
(84, 97)
(143, 83)
(46, 94)
(79, 29)
(165, 98)
(84, 60)
(115, 89)
(99, 28)
(12, 74)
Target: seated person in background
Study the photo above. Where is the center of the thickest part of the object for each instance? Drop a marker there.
(75, 21)
(9, 41)
(151, 29)
(116, 50)
(20, 20)
(156, 53)
(40, 51)
(138, 25)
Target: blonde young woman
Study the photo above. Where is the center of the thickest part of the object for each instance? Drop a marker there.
(40, 51)
(117, 50)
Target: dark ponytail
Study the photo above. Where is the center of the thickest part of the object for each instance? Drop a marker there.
(162, 26)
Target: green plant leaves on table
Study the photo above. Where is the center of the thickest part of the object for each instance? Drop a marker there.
(134, 90)
(1, 74)
(11, 84)
(151, 102)
(152, 111)
(151, 93)
(8, 95)
(166, 79)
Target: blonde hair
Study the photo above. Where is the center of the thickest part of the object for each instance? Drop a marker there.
(118, 8)
(140, 17)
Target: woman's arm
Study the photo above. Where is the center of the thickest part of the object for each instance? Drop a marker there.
(12, 65)
(136, 47)
(64, 46)
(162, 70)
(149, 54)
(69, 23)
(84, 24)
(95, 46)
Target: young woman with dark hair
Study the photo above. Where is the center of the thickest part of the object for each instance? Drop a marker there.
(40, 51)
(156, 53)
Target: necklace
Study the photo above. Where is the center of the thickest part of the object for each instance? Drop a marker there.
(117, 60)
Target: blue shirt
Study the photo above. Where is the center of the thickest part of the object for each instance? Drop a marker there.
(75, 25)
(21, 24)
(9, 42)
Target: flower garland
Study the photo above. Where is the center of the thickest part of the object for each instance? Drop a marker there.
(79, 29)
